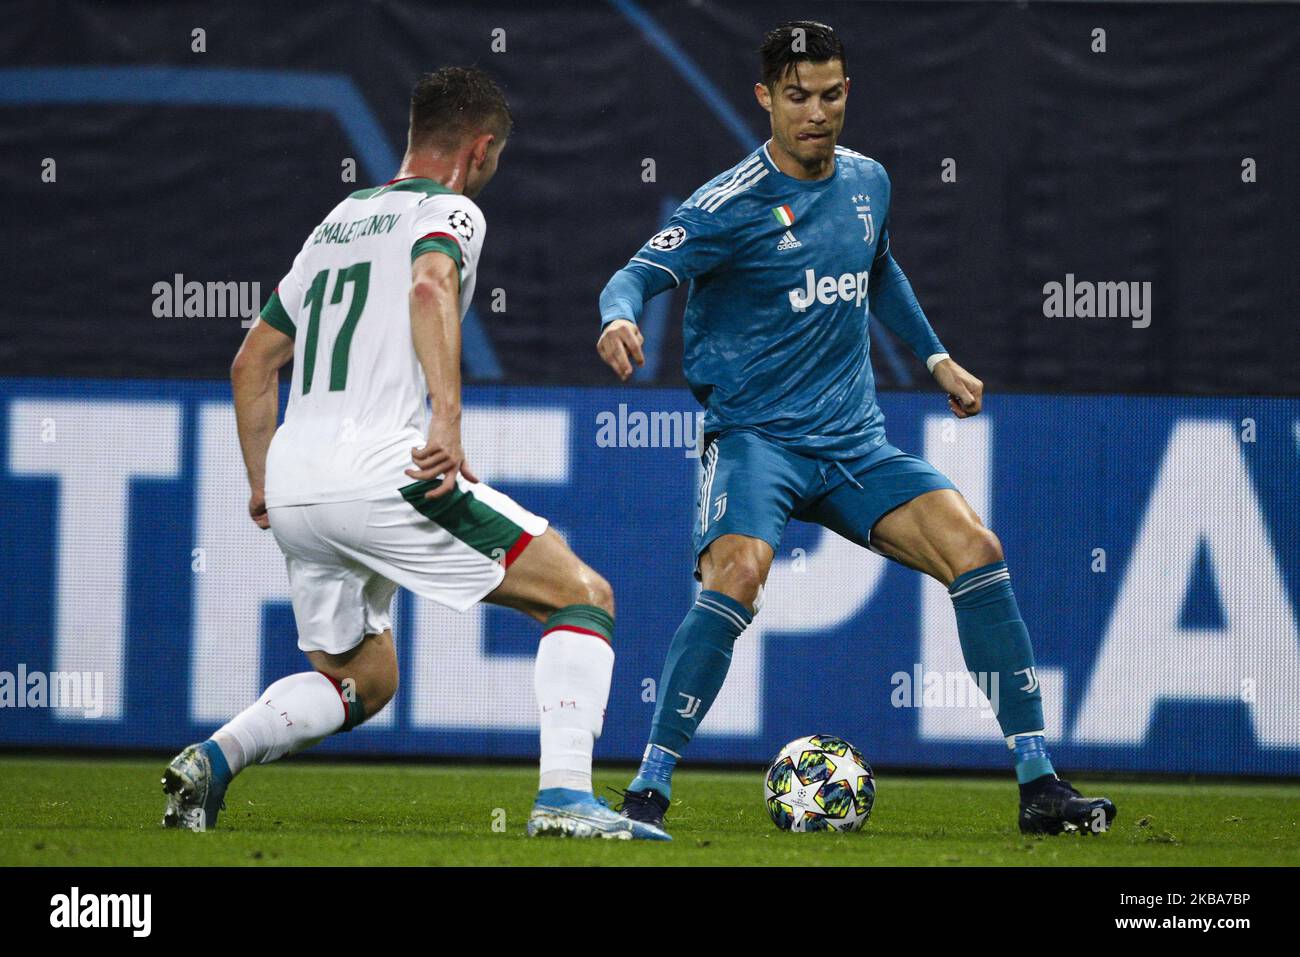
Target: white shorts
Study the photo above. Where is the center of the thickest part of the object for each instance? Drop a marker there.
(346, 559)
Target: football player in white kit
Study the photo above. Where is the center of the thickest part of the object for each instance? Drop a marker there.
(364, 489)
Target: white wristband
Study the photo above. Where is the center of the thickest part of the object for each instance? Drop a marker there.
(935, 359)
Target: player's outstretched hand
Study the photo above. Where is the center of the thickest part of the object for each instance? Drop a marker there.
(965, 392)
(441, 456)
(620, 346)
(257, 509)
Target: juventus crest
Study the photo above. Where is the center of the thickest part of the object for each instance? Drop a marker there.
(862, 206)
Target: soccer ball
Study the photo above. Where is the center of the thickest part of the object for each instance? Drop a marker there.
(819, 783)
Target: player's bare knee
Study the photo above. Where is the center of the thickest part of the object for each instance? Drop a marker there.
(593, 589)
(979, 548)
(740, 576)
(582, 586)
(990, 547)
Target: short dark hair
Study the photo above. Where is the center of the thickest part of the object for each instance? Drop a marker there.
(817, 43)
(456, 101)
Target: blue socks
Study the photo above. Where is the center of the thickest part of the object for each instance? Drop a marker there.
(1032, 759)
(656, 771)
(995, 645)
(220, 767)
(694, 671)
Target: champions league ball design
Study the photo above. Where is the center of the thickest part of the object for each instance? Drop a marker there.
(819, 783)
(462, 224)
(667, 239)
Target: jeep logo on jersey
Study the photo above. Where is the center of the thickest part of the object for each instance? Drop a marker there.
(667, 239)
(462, 224)
(847, 288)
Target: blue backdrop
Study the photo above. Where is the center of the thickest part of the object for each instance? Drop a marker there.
(1154, 545)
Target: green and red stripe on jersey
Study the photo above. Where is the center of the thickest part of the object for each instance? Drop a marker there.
(438, 242)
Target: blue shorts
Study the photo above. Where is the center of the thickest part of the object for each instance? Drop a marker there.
(752, 486)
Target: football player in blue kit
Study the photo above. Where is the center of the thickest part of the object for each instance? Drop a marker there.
(785, 254)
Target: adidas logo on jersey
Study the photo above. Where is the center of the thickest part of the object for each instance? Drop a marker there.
(788, 241)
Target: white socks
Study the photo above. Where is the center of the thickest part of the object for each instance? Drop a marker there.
(571, 678)
(292, 714)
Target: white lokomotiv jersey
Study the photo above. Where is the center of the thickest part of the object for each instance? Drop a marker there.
(357, 403)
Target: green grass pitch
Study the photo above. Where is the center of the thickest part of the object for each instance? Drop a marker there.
(87, 812)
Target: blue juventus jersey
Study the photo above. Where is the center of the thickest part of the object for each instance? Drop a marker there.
(776, 334)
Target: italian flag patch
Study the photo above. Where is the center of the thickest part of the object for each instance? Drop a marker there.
(784, 215)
